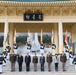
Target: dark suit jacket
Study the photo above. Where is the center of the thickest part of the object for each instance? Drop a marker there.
(12, 58)
(49, 59)
(27, 59)
(35, 59)
(42, 60)
(20, 59)
(63, 58)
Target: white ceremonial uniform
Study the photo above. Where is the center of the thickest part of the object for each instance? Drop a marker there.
(1, 68)
(67, 55)
(71, 59)
(74, 62)
(42, 51)
(15, 51)
(53, 51)
(8, 56)
(4, 64)
(1, 63)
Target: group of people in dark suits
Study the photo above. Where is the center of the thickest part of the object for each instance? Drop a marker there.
(49, 59)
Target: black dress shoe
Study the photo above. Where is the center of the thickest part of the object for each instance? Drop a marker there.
(49, 70)
(11, 70)
(0, 72)
(64, 70)
(20, 70)
(35, 70)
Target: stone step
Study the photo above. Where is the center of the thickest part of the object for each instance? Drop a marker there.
(39, 73)
(68, 67)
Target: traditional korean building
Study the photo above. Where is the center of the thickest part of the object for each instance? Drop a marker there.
(36, 15)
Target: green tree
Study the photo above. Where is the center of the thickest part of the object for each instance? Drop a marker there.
(46, 39)
(21, 39)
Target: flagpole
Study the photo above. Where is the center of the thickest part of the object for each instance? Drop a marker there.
(52, 38)
(6, 30)
(41, 37)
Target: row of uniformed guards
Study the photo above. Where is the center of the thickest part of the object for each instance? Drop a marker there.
(1, 62)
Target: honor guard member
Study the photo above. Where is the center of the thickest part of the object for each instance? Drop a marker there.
(49, 60)
(35, 61)
(15, 48)
(42, 61)
(53, 49)
(29, 47)
(1, 62)
(42, 48)
(20, 61)
(27, 61)
(4, 55)
(71, 57)
(67, 52)
(8, 48)
(53, 46)
(74, 62)
(63, 59)
(13, 61)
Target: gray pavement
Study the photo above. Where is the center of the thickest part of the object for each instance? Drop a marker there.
(69, 69)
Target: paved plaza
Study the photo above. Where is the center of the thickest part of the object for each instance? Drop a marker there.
(69, 69)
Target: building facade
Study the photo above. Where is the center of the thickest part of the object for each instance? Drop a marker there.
(58, 16)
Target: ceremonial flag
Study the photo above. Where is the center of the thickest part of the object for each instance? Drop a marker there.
(70, 44)
(66, 38)
(15, 36)
(5, 39)
(5, 42)
(69, 41)
(52, 38)
(28, 38)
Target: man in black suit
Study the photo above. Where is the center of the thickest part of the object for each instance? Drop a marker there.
(42, 61)
(20, 61)
(27, 61)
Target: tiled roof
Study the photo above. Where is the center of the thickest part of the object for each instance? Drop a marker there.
(36, 0)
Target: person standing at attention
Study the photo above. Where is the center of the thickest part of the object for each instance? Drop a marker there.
(20, 61)
(42, 61)
(56, 61)
(27, 61)
(13, 61)
(49, 60)
(35, 61)
(63, 59)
